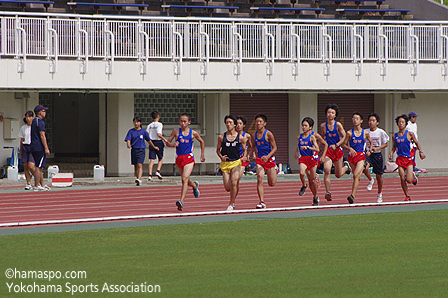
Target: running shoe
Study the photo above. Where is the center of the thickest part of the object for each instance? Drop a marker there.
(196, 191)
(46, 188)
(233, 206)
(407, 199)
(39, 188)
(316, 201)
(351, 199)
(159, 175)
(370, 185)
(349, 168)
(415, 180)
(230, 208)
(28, 187)
(379, 198)
(138, 182)
(261, 205)
(328, 196)
(149, 178)
(179, 205)
(302, 190)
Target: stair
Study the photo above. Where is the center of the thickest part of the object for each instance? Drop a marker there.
(79, 166)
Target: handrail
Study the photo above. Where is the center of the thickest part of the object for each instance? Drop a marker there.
(84, 66)
(110, 64)
(141, 32)
(53, 35)
(414, 52)
(296, 66)
(22, 65)
(359, 60)
(445, 66)
(327, 47)
(178, 65)
(270, 67)
(303, 42)
(204, 68)
(219, 19)
(383, 52)
(237, 70)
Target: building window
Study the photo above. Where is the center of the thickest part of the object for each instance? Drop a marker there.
(169, 105)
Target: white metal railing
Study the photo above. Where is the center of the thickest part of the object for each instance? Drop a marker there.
(54, 36)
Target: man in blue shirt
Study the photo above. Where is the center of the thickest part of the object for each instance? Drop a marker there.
(39, 147)
(135, 140)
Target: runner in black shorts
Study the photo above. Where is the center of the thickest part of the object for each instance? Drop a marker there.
(374, 158)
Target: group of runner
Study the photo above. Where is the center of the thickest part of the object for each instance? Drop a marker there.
(235, 148)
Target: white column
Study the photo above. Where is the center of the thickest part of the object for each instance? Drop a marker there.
(102, 146)
(120, 111)
(300, 106)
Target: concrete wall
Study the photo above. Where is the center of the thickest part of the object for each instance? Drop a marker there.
(422, 9)
(432, 135)
(221, 77)
(14, 105)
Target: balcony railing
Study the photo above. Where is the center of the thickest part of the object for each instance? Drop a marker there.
(68, 36)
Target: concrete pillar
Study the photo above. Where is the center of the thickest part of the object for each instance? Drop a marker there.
(217, 106)
(300, 106)
(120, 111)
(102, 146)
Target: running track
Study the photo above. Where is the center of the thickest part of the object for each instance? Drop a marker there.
(19, 207)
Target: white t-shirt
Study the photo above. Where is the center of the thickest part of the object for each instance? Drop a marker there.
(153, 129)
(379, 137)
(412, 127)
(25, 132)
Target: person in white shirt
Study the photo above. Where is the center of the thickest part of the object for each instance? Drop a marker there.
(25, 151)
(380, 140)
(412, 126)
(155, 130)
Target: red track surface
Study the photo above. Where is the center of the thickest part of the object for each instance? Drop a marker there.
(76, 204)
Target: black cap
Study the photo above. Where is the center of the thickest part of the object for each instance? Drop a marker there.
(39, 108)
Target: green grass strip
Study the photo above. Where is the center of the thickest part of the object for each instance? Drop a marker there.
(370, 255)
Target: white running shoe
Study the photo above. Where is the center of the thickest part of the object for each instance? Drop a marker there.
(138, 182)
(370, 185)
(39, 188)
(230, 208)
(261, 205)
(28, 187)
(159, 175)
(46, 188)
(149, 178)
(379, 199)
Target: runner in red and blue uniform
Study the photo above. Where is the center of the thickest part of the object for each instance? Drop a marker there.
(185, 160)
(334, 135)
(355, 142)
(307, 146)
(266, 147)
(402, 141)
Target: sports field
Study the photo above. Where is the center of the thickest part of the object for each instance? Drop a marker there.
(384, 254)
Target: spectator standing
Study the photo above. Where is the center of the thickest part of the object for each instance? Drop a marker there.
(39, 147)
(155, 130)
(25, 151)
